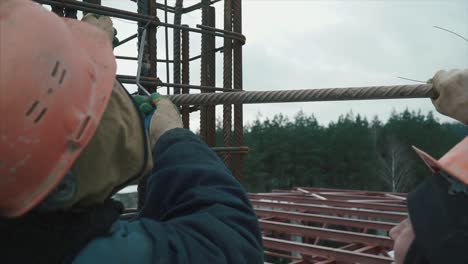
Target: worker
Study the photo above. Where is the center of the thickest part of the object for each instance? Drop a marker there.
(71, 137)
(436, 230)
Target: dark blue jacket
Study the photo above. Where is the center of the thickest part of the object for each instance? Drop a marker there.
(195, 212)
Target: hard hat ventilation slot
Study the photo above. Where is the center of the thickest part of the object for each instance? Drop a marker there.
(31, 109)
(54, 71)
(82, 128)
(41, 114)
(64, 72)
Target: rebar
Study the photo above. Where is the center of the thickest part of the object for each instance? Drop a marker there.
(185, 76)
(197, 6)
(308, 95)
(112, 12)
(227, 81)
(204, 69)
(238, 85)
(123, 41)
(176, 44)
(211, 79)
(157, 82)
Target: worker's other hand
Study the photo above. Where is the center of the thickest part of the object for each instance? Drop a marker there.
(102, 22)
(403, 235)
(451, 88)
(165, 118)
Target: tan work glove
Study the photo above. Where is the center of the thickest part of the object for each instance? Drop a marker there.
(451, 88)
(165, 118)
(102, 22)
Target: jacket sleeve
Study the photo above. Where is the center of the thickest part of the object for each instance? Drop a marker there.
(439, 217)
(195, 210)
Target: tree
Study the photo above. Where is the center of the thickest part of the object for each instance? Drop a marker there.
(396, 166)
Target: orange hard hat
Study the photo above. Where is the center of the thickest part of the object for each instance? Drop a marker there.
(56, 77)
(454, 162)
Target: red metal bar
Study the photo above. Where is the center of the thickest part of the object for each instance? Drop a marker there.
(340, 255)
(339, 203)
(397, 216)
(316, 189)
(328, 234)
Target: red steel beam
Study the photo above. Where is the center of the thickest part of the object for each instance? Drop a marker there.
(328, 234)
(339, 203)
(397, 216)
(315, 189)
(275, 254)
(334, 220)
(342, 256)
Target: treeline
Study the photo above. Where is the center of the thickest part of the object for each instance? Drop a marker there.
(351, 153)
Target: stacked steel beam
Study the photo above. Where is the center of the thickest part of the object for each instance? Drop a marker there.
(313, 225)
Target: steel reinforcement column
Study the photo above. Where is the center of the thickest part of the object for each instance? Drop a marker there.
(211, 80)
(185, 75)
(227, 83)
(204, 69)
(238, 84)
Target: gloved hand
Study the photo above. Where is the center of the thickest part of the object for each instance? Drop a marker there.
(161, 115)
(102, 22)
(452, 94)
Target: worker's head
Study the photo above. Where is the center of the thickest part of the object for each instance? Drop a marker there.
(64, 119)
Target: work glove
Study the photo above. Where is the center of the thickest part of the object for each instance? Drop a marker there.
(161, 115)
(451, 94)
(104, 23)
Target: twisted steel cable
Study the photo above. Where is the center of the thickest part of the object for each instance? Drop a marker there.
(307, 95)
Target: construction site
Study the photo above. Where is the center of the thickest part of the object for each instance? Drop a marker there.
(300, 225)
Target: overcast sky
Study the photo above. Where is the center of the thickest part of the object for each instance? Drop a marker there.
(324, 44)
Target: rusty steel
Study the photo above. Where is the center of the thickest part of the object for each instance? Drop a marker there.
(211, 80)
(113, 12)
(227, 81)
(152, 46)
(131, 79)
(328, 234)
(176, 44)
(238, 85)
(312, 208)
(337, 203)
(125, 40)
(326, 219)
(204, 70)
(343, 256)
(185, 76)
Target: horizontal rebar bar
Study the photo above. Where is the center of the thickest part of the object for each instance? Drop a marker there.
(227, 32)
(123, 41)
(113, 12)
(307, 95)
(157, 82)
(196, 6)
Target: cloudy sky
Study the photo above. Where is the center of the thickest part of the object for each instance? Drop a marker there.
(323, 44)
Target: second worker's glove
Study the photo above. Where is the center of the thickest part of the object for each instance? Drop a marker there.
(451, 88)
(161, 115)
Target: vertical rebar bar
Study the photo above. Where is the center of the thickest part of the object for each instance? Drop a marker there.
(176, 46)
(166, 35)
(204, 69)
(227, 81)
(152, 45)
(211, 79)
(186, 75)
(238, 84)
